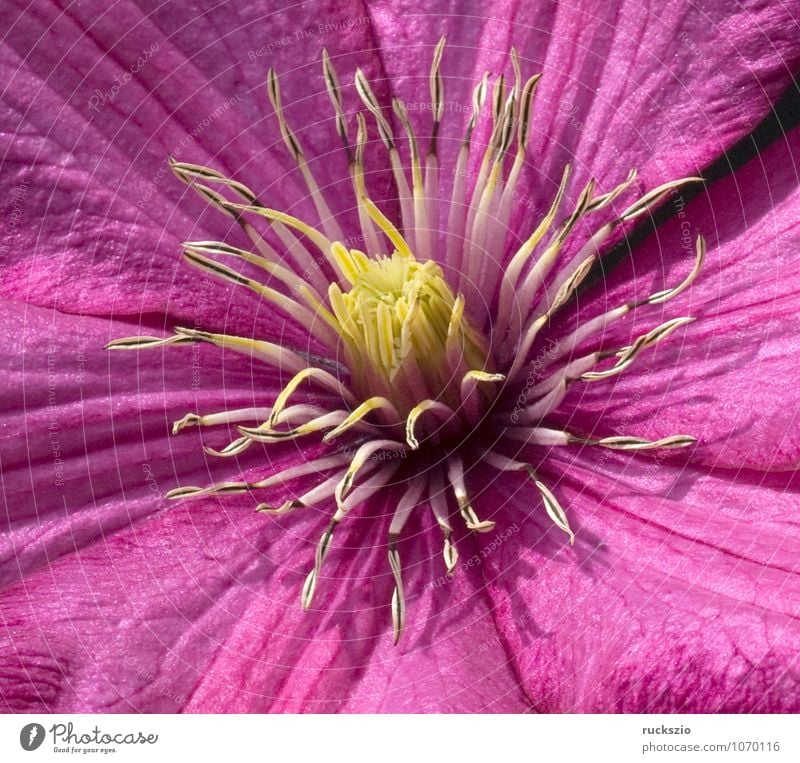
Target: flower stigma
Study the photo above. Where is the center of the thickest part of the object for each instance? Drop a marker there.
(423, 342)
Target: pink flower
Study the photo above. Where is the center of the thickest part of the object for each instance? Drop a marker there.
(681, 589)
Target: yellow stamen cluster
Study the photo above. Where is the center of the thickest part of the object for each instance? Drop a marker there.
(403, 328)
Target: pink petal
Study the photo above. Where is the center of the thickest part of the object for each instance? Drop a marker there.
(198, 609)
(101, 217)
(726, 378)
(86, 447)
(664, 88)
(681, 593)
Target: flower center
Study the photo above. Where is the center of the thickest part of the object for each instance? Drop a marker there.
(399, 361)
(404, 331)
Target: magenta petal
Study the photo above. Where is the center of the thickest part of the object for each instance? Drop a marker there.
(680, 595)
(340, 657)
(125, 625)
(725, 379)
(86, 446)
(198, 610)
(86, 142)
(625, 85)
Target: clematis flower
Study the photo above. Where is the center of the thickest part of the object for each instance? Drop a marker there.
(418, 332)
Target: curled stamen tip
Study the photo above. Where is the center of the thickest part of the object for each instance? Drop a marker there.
(189, 420)
(484, 526)
(232, 449)
(285, 508)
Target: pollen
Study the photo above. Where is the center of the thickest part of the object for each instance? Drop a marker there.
(424, 342)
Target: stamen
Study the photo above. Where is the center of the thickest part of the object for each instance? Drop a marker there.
(557, 438)
(383, 222)
(320, 492)
(455, 473)
(223, 417)
(377, 483)
(398, 595)
(628, 354)
(431, 161)
(357, 416)
(458, 209)
(312, 466)
(373, 485)
(239, 445)
(595, 325)
(317, 424)
(438, 501)
(328, 381)
(274, 354)
(422, 242)
(639, 208)
(335, 94)
(292, 413)
(538, 410)
(404, 508)
(520, 259)
(627, 442)
(329, 224)
(532, 331)
(360, 189)
(362, 455)
(500, 222)
(192, 174)
(323, 331)
(469, 390)
(310, 586)
(551, 504)
(538, 436)
(273, 215)
(437, 92)
(664, 296)
(385, 131)
(537, 275)
(216, 248)
(442, 411)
